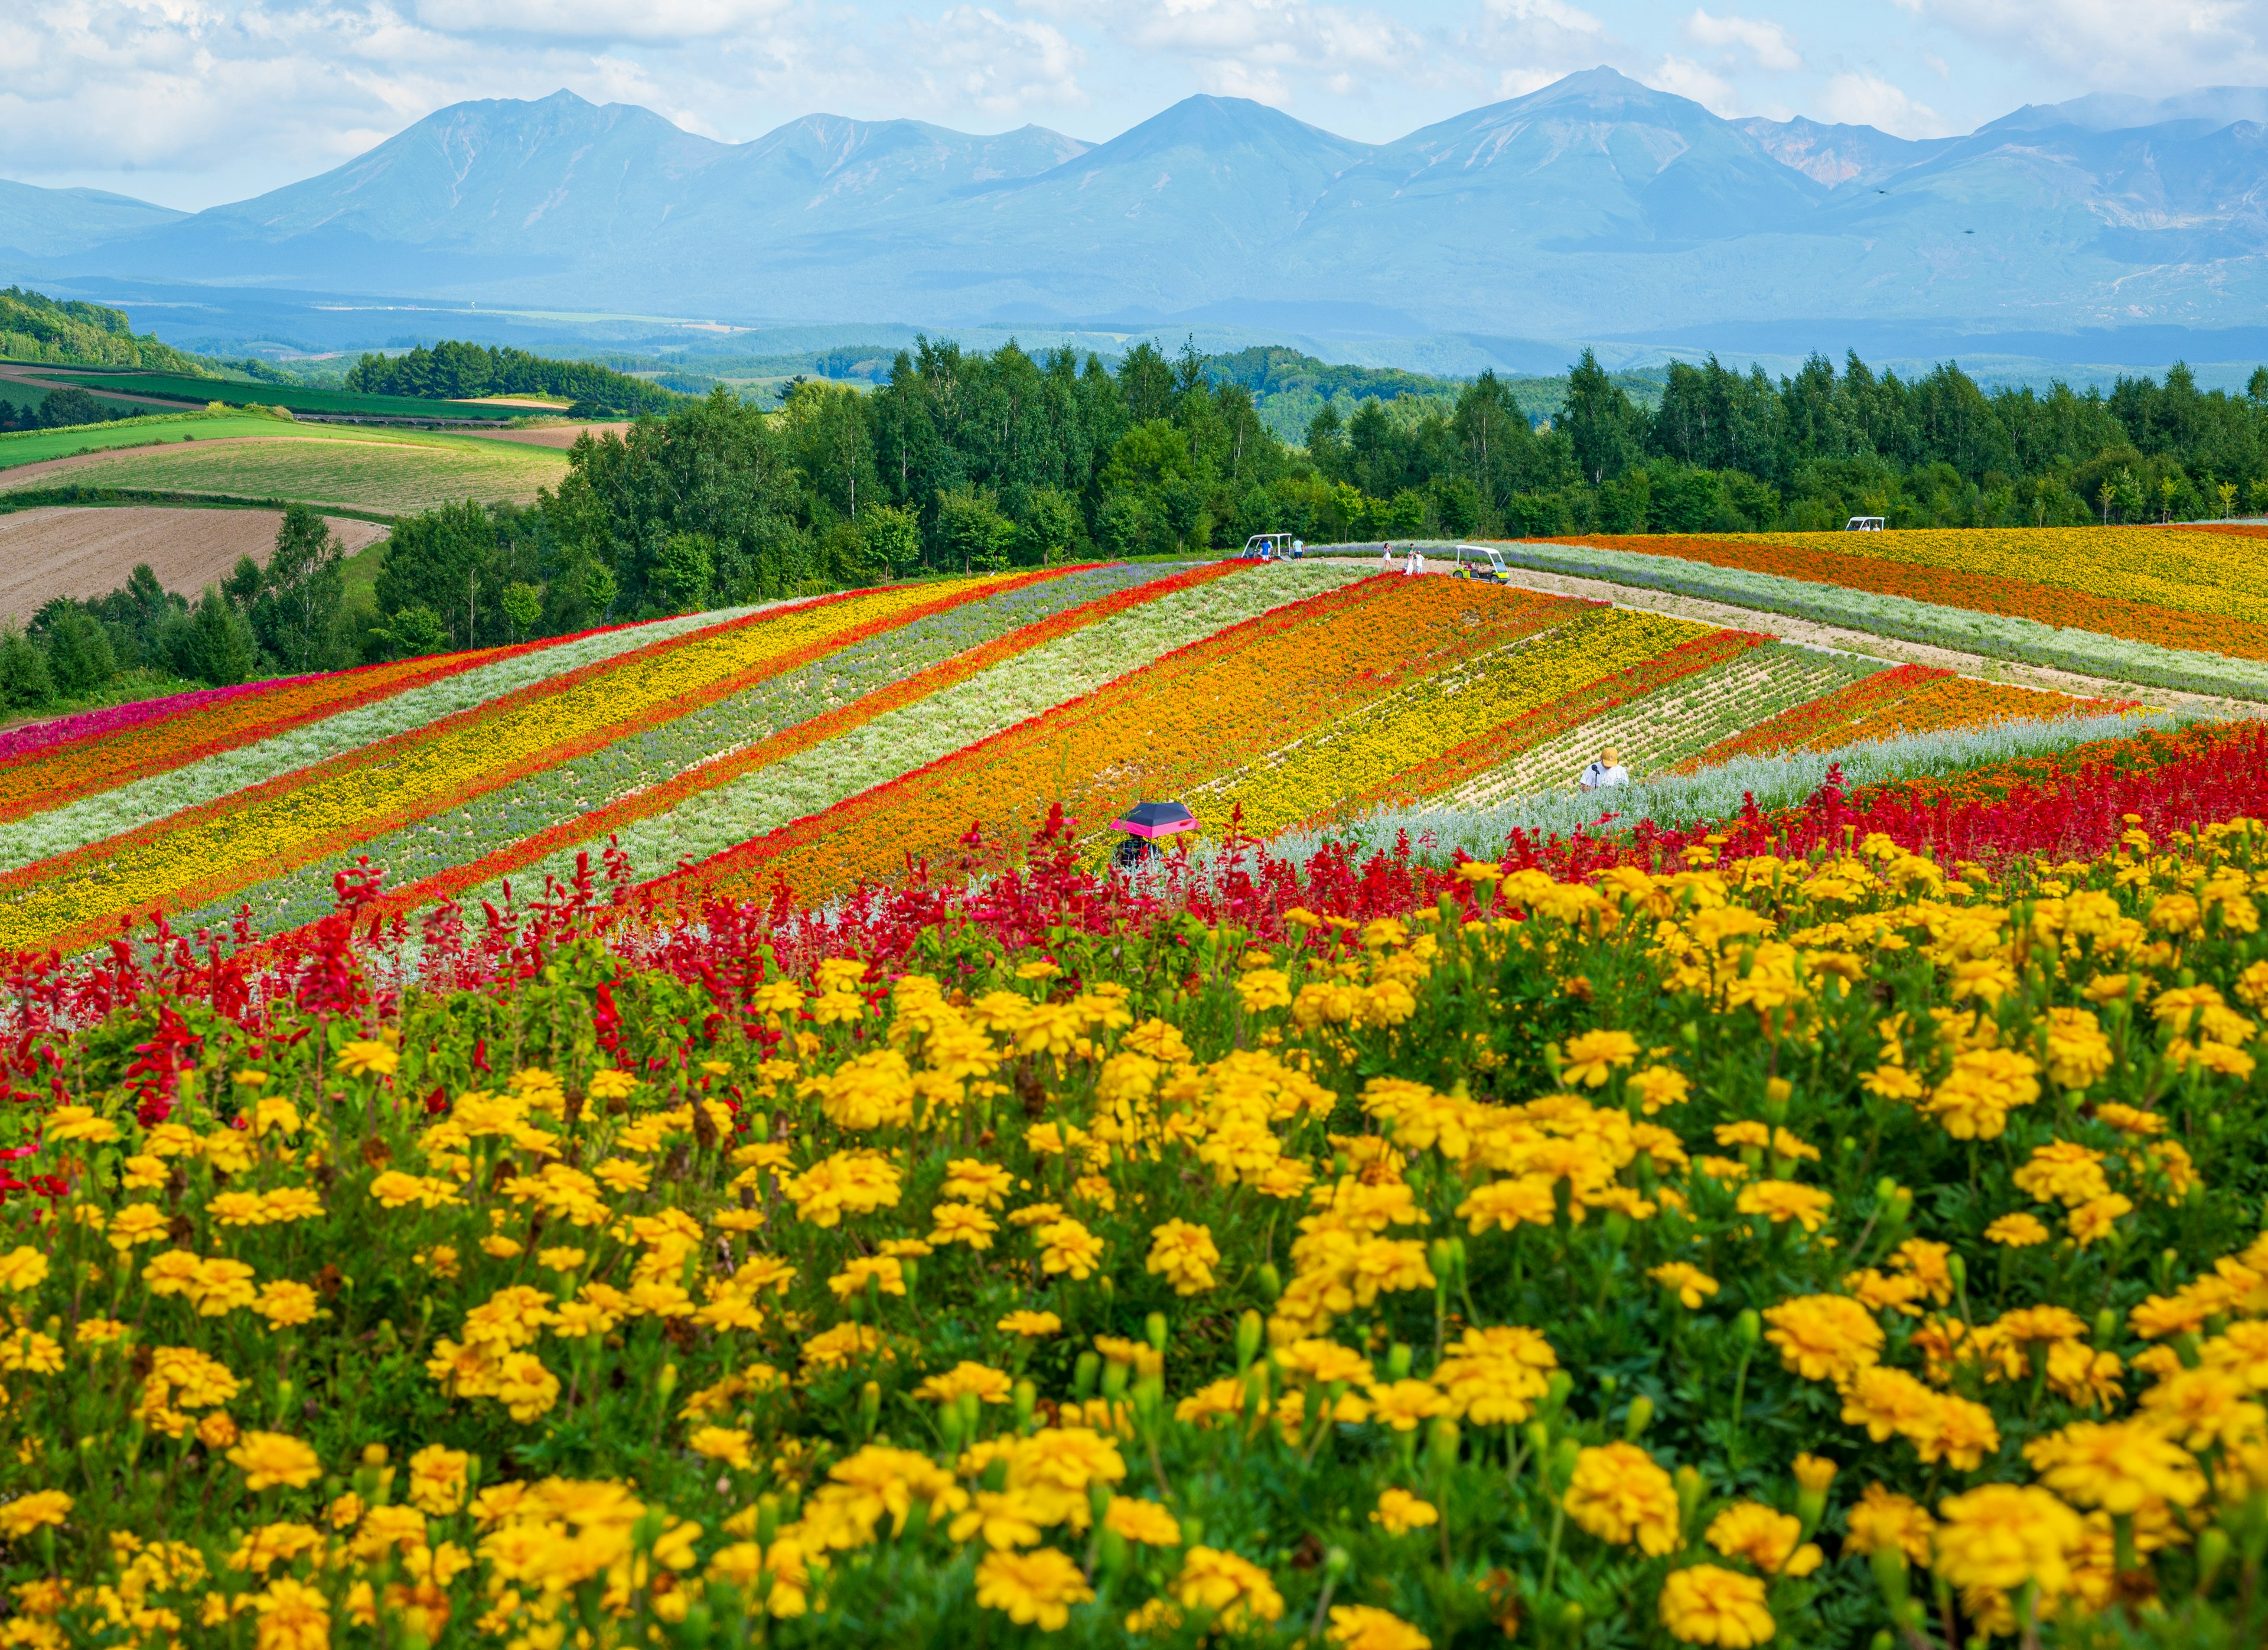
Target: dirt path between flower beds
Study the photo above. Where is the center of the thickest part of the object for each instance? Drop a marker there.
(1790, 629)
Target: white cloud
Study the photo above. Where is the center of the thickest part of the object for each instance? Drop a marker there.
(1689, 79)
(1864, 99)
(598, 19)
(2114, 45)
(1767, 44)
(1004, 67)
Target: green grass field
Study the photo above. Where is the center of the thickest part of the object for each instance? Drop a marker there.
(201, 390)
(389, 471)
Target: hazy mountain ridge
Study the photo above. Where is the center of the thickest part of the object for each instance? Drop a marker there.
(1596, 204)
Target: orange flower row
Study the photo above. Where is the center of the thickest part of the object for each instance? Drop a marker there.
(1202, 710)
(1894, 703)
(2015, 597)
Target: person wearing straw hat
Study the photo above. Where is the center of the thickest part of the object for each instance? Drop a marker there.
(1606, 773)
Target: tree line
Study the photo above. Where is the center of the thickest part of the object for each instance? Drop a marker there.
(965, 462)
(451, 371)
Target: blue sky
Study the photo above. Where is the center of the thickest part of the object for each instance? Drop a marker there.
(192, 102)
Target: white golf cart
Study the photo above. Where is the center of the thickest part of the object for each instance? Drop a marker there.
(1863, 524)
(1479, 561)
(1272, 547)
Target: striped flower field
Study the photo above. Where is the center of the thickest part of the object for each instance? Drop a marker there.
(818, 746)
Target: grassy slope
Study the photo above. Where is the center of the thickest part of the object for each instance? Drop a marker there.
(384, 470)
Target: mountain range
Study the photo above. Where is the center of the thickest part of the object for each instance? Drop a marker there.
(1595, 207)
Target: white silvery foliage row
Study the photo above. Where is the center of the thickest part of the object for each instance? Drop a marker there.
(112, 813)
(1715, 793)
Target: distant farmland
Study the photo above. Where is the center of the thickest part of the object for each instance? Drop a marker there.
(392, 472)
(341, 403)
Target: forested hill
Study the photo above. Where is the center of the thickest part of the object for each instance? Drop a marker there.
(33, 327)
(1289, 388)
(461, 371)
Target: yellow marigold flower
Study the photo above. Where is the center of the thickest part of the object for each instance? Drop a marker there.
(292, 1615)
(1708, 1605)
(727, 1444)
(285, 1304)
(1238, 1592)
(1619, 1494)
(1770, 1540)
(220, 1286)
(962, 1223)
(2132, 1120)
(98, 1331)
(1038, 1586)
(1506, 1203)
(1068, 1246)
(1402, 1405)
(972, 1179)
(171, 1273)
(137, 1223)
(1398, 1513)
(1784, 1200)
(1004, 1520)
(610, 1085)
(2016, 1232)
(437, 1479)
(527, 1388)
(990, 1385)
(2117, 1467)
(1892, 1082)
(1882, 1520)
(23, 1268)
(33, 1353)
(888, 1273)
(1367, 1627)
(20, 1517)
(1139, 1520)
(2062, 1171)
(1823, 1337)
(1184, 1253)
(1687, 1281)
(272, 1458)
(2091, 1221)
(1262, 989)
(363, 1057)
(1748, 1132)
(2004, 1535)
(1657, 1086)
(2078, 1052)
(1032, 1325)
(1589, 1059)
(80, 1123)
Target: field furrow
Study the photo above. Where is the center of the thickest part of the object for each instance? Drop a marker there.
(1669, 724)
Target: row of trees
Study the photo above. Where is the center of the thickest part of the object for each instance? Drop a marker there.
(59, 409)
(287, 617)
(451, 370)
(967, 461)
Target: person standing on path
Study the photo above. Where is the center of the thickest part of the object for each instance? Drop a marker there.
(1606, 773)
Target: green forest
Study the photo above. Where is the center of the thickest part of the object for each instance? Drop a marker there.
(464, 372)
(33, 327)
(966, 462)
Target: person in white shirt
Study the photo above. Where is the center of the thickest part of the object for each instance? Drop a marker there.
(1606, 773)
